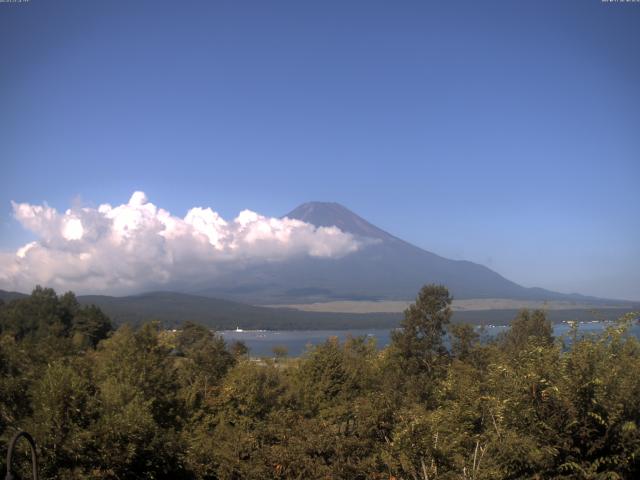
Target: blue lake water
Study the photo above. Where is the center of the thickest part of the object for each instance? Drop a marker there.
(262, 342)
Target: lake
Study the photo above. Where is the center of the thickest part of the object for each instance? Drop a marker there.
(262, 342)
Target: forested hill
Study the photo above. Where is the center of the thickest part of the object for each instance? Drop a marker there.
(173, 309)
(8, 296)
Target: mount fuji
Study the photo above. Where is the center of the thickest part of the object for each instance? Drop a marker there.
(384, 268)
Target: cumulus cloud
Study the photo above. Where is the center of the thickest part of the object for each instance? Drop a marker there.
(137, 246)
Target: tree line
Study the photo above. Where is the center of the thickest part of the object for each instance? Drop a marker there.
(144, 402)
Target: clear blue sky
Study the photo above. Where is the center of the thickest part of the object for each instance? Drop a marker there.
(502, 132)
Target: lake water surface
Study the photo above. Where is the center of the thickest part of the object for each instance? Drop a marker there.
(262, 342)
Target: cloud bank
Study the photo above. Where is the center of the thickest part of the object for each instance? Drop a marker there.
(137, 246)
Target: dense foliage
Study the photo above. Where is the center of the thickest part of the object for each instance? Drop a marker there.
(149, 403)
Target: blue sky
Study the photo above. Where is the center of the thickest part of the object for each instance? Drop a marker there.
(506, 133)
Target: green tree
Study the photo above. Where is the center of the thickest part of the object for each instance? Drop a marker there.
(16, 376)
(204, 363)
(417, 348)
(89, 326)
(528, 327)
(39, 315)
(464, 340)
(280, 352)
(324, 378)
(64, 408)
(235, 441)
(140, 411)
(239, 349)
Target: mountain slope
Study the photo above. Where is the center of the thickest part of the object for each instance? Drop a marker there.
(400, 268)
(383, 269)
(6, 296)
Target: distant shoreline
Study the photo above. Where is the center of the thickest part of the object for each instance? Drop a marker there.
(473, 304)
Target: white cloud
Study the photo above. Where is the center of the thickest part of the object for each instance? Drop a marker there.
(138, 246)
(72, 228)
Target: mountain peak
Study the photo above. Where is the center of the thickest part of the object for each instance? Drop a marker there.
(327, 214)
